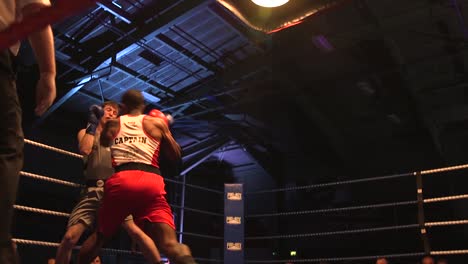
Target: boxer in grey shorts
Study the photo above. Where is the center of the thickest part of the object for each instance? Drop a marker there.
(85, 211)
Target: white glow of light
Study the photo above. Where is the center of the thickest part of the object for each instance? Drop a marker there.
(116, 4)
(270, 3)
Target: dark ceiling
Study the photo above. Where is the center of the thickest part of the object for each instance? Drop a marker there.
(358, 87)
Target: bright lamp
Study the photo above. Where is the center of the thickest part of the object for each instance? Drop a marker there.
(270, 3)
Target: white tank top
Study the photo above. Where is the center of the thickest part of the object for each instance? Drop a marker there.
(133, 144)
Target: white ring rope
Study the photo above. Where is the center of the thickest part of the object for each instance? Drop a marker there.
(379, 178)
(416, 254)
(55, 213)
(40, 211)
(53, 149)
(53, 244)
(446, 198)
(447, 223)
(81, 156)
(328, 210)
(451, 168)
(196, 210)
(44, 178)
(342, 232)
(360, 207)
(450, 252)
(200, 235)
(35, 242)
(330, 184)
(194, 186)
(444, 252)
(363, 230)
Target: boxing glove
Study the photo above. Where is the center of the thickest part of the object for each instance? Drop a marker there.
(158, 114)
(95, 114)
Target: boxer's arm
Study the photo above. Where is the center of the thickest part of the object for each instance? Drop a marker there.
(169, 145)
(85, 142)
(111, 128)
(42, 43)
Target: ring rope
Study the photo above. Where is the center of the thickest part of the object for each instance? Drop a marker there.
(55, 213)
(394, 176)
(430, 200)
(200, 235)
(335, 209)
(321, 185)
(446, 198)
(447, 223)
(363, 230)
(444, 252)
(349, 208)
(204, 188)
(48, 179)
(196, 210)
(451, 168)
(35, 242)
(416, 254)
(194, 186)
(81, 156)
(40, 211)
(53, 244)
(450, 252)
(53, 148)
(354, 231)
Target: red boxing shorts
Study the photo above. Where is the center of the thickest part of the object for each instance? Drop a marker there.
(134, 192)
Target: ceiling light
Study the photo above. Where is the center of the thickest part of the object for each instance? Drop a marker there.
(270, 3)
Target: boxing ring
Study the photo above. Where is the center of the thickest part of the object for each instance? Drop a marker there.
(178, 209)
(422, 227)
(232, 245)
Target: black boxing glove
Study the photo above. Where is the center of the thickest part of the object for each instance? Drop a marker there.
(94, 117)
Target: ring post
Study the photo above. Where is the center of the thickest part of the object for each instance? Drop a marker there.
(233, 224)
(421, 218)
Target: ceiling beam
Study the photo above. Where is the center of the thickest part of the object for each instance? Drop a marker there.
(250, 66)
(145, 30)
(207, 142)
(115, 11)
(84, 80)
(191, 164)
(187, 53)
(59, 103)
(144, 79)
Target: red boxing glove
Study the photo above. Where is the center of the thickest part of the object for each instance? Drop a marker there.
(158, 114)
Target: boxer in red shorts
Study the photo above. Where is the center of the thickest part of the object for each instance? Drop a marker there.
(136, 187)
